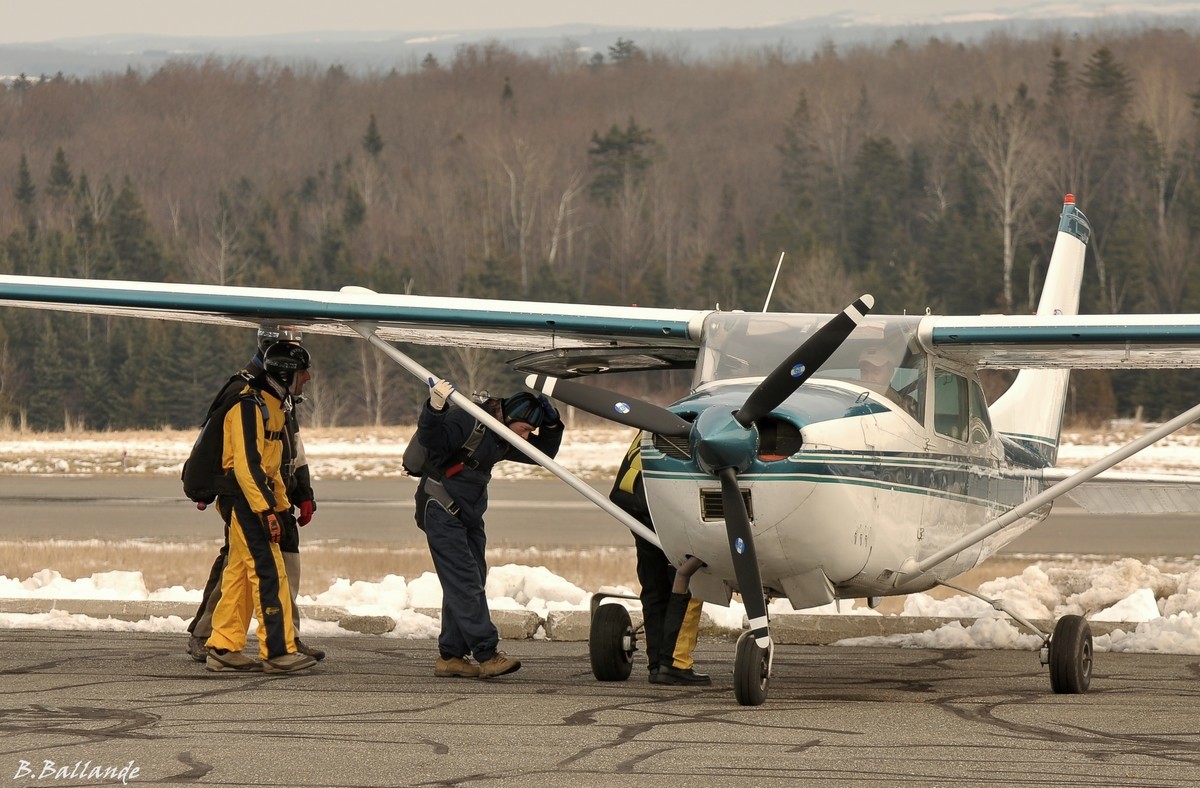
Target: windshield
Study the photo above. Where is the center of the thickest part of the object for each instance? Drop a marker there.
(882, 354)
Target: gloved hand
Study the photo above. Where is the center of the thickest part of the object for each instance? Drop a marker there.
(274, 530)
(439, 392)
(549, 412)
(307, 508)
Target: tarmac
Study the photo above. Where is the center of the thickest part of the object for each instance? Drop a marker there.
(372, 714)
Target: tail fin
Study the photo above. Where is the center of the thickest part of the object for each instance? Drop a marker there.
(1031, 411)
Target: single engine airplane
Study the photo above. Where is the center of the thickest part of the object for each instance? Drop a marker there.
(816, 458)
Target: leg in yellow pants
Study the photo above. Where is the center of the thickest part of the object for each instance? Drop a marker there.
(254, 581)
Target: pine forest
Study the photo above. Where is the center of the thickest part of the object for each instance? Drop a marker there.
(929, 173)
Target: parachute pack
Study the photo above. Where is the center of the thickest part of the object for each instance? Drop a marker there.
(202, 469)
(416, 456)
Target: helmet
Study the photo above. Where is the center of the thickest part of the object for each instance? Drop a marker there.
(281, 360)
(269, 335)
(525, 407)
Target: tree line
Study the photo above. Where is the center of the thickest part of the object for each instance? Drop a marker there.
(929, 173)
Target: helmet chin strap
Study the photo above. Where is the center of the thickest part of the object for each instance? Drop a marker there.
(280, 390)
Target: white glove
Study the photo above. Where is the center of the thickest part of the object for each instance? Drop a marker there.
(439, 392)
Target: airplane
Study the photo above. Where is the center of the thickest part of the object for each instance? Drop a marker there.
(794, 468)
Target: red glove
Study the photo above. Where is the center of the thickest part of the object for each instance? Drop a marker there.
(274, 530)
(307, 508)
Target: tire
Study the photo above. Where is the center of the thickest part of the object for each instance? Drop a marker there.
(751, 671)
(1071, 656)
(611, 661)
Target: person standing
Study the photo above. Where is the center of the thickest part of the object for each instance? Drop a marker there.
(451, 500)
(253, 498)
(670, 615)
(296, 478)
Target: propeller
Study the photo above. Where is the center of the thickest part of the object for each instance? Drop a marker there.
(802, 363)
(725, 443)
(606, 404)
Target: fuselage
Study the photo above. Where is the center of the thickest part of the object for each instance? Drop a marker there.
(850, 478)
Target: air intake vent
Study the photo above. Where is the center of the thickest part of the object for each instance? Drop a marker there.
(677, 448)
(713, 508)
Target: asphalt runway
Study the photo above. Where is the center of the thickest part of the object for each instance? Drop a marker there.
(373, 715)
(538, 512)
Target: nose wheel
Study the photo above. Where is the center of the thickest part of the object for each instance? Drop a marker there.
(751, 670)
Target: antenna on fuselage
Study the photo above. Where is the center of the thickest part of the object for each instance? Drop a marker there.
(774, 279)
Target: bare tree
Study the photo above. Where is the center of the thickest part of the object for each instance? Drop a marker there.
(1007, 142)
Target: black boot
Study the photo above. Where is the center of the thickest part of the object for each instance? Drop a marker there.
(668, 674)
(673, 622)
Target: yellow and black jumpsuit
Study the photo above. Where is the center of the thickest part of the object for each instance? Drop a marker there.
(254, 579)
(672, 621)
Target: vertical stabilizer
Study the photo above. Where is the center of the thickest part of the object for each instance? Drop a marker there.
(1031, 411)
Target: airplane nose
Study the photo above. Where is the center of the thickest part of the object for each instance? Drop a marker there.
(721, 442)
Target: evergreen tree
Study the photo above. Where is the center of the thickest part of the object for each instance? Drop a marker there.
(624, 51)
(45, 407)
(61, 182)
(372, 141)
(619, 159)
(133, 241)
(25, 194)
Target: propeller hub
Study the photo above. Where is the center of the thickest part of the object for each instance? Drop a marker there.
(721, 442)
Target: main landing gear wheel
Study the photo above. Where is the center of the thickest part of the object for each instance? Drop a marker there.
(611, 643)
(751, 670)
(1071, 656)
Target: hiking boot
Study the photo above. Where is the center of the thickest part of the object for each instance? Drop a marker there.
(315, 653)
(500, 664)
(220, 659)
(288, 663)
(196, 649)
(455, 667)
(669, 674)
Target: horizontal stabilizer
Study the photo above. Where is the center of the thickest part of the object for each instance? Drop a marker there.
(1133, 493)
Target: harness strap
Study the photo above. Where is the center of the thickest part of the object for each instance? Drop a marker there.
(437, 492)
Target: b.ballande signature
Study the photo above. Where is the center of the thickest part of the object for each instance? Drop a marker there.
(80, 770)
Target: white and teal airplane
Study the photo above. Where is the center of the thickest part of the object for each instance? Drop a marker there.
(816, 458)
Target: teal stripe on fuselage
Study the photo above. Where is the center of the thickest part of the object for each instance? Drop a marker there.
(273, 307)
(946, 477)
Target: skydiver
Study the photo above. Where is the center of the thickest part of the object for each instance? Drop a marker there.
(451, 501)
(669, 613)
(253, 503)
(296, 477)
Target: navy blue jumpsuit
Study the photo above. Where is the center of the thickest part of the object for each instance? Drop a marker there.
(458, 542)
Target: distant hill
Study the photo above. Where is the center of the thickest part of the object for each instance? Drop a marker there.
(362, 51)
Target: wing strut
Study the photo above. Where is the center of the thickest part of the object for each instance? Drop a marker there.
(461, 400)
(912, 566)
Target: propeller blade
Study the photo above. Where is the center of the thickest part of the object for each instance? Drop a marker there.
(802, 363)
(609, 405)
(745, 559)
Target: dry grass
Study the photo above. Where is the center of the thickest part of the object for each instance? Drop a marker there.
(165, 564)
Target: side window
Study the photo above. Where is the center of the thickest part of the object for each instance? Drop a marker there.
(951, 405)
(981, 424)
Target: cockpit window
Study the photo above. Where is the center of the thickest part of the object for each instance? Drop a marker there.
(882, 354)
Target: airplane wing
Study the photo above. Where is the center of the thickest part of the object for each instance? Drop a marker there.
(1133, 493)
(562, 339)
(1066, 341)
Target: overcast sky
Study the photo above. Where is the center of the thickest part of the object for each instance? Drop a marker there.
(49, 19)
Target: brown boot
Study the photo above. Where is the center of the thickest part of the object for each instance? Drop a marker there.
(499, 665)
(455, 667)
(219, 660)
(311, 651)
(288, 662)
